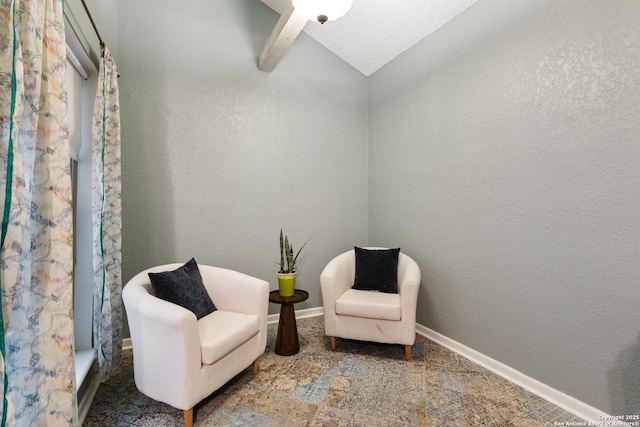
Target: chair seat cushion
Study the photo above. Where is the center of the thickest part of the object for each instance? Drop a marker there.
(221, 332)
(369, 304)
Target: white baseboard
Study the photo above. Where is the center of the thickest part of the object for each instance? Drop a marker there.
(300, 314)
(558, 398)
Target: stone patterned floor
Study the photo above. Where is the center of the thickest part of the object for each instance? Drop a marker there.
(361, 384)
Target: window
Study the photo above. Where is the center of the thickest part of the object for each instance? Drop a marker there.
(80, 107)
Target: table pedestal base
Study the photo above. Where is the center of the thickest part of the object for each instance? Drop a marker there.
(287, 343)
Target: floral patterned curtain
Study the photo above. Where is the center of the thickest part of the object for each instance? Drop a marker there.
(107, 223)
(36, 341)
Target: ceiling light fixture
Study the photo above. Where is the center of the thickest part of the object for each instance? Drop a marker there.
(322, 10)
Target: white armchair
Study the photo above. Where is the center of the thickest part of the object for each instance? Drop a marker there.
(179, 360)
(366, 315)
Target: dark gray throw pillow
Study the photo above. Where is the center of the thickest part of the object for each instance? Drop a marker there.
(376, 270)
(184, 287)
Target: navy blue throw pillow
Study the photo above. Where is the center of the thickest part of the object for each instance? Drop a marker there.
(184, 287)
(376, 270)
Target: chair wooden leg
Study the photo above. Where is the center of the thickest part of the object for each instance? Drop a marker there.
(407, 352)
(256, 366)
(333, 343)
(188, 417)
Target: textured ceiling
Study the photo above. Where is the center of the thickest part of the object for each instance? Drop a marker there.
(374, 32)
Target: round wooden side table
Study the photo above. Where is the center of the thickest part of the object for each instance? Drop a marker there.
(287, 343)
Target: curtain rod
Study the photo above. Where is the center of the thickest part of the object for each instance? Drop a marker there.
(102, 44)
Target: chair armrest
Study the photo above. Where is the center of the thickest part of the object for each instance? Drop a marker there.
(408, 286)
(336, 279)
(234, 291)
(163, 335)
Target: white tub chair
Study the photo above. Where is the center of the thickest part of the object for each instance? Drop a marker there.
(179, 360)
(366, 315)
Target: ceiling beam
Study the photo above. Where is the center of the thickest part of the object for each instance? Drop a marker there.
(285, 32)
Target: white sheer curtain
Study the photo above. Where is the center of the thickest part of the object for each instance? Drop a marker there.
(107, 222)
(37, 340)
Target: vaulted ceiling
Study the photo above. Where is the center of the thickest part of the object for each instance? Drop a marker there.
(374, 32)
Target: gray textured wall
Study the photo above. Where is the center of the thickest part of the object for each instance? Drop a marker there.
(504, 157)
(217, 155)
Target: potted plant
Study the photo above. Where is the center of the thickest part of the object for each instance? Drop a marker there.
(287, 272)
